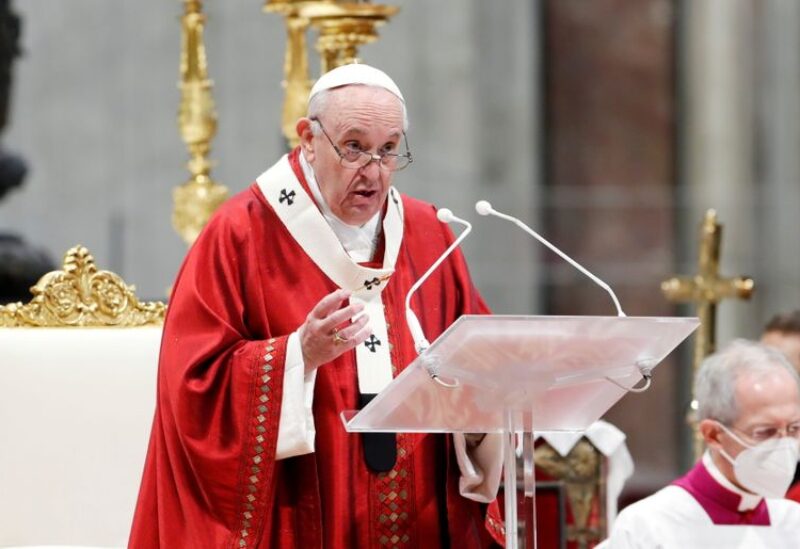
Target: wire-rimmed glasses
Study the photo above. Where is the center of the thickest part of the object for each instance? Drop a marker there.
(356, 159)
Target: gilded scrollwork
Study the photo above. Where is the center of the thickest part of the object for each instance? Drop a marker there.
(80, 295)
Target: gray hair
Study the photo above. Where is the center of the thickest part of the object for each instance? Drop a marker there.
(319, 103)
(715, 383)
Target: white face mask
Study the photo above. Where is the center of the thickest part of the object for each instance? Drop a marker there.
(767, 468)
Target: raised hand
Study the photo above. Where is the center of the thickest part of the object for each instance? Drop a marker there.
(328, 331)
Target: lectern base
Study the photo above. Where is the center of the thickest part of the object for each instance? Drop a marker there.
(520, 517)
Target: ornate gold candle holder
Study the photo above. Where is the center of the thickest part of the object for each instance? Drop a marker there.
(196, 199)
(296, 80)
(344, 27)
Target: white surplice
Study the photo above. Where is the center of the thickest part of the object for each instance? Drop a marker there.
(673, 519)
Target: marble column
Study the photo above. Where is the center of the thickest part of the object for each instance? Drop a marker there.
(777, 258)
(610, 177)
(718, 143)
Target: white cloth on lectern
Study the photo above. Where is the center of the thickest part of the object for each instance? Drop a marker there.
(610, 442)
(480, 467)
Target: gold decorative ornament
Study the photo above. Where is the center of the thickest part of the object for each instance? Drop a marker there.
(581, 471)
(344, 27)
(195, 200)
(80, 295)
(297, 81)
(706, 289)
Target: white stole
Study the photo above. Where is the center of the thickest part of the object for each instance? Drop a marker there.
(298, 212)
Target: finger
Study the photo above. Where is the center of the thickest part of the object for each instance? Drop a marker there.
(350, 331)
(361, 336)
(339, 317)
(329, 303)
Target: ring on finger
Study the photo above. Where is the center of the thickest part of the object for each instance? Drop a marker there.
(337, 337)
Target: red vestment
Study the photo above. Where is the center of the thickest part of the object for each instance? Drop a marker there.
(794, 492)
(211, 479)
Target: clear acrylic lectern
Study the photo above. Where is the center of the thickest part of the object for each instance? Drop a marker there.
(520, 374)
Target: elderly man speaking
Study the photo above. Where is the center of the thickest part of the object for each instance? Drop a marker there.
(749, 412)
(288, 310)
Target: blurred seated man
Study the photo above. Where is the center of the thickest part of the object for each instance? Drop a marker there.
(783, 333)
(749, 413)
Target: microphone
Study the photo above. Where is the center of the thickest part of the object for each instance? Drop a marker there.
(420, 342)
(483, 207)
(445, 215)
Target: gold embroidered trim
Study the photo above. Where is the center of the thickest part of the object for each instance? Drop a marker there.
(498, 527)
(258, 455)
(392, 488)
(394, 501)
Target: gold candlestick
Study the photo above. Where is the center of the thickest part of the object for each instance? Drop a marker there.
(198, 197)
(344, 27)
(297, 82)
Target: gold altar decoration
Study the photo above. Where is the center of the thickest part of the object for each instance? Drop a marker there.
(80, 295)
(343, 27)
(197, 198)
(296, 77)
(581, 472)
(706, 289)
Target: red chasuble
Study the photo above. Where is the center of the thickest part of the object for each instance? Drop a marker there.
(211, 480)
(794, 490)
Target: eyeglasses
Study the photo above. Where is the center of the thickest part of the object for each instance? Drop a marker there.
(355, 159)
(762, 433)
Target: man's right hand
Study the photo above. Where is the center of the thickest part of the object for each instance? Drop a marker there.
(328, 331)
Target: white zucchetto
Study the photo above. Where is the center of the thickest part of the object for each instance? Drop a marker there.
(353, 74)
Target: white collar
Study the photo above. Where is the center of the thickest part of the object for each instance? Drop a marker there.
(748, 502)
(297, 211)
(359, 242)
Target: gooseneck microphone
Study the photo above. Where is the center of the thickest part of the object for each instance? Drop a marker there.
(484, 208)
(420, 341)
